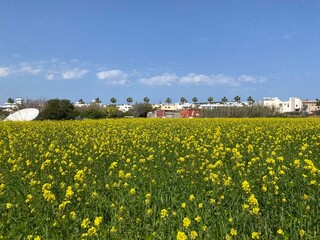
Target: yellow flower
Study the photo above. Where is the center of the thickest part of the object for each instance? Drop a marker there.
(92, 231)
(69, 192)
(212, 201)
(73, 215)
(98, 221)
(149, 211)
(79, 176)
(302, 233)
(164, 213)
(255, 235)
(233, 232)
(85, 223)
(246, 186)
(186, 222)
(8, 205)
(198, 218)
(132, 191)
(280, 232)
(183, 205)
(193, 234)
(181, 236)
(191, 197)
(113, 229)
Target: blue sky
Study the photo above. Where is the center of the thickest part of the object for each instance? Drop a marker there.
(87, 49)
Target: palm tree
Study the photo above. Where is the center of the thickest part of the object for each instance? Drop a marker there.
(168, 100)
(250, 100)
(113, 100)
(237, 99)
(129, 100)
(210, 100)
(97, 100)
(146, 100)
(194, 100)
(224, 100)
(183, 100)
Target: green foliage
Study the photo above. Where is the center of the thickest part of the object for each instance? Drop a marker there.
(129, 100)
(141, 109)
(168, 100)
(237, 112)
(113, 100)
(111, 111)
(210, 100)
(58, 109)
(194, 100)
(183, 100)
(10, 100)
(93, 111)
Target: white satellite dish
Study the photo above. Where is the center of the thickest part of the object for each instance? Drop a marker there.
(27, 114)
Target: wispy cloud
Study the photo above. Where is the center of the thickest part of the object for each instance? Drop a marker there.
(26, 68)
(5, 71)
(50, 76)
(288, 36)
(114, 77)
(201, 79)
(75, 73)
(166, 79)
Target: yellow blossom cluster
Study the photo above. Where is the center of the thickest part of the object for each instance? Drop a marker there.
(160, 179)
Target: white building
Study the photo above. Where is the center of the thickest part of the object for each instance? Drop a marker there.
(292, 105)
(124, 107)
(9, 107)
(273, 102)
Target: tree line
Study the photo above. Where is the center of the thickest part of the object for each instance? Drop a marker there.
(64, 109)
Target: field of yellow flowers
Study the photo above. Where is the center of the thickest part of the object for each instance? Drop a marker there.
(160, 179)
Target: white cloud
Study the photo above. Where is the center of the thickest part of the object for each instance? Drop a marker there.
(115, 77)
(219, 79)
(75, 73)
(5, 71)
(50, 76)
(164, 79)
(30, 69)
(208, 80)
(196, 79)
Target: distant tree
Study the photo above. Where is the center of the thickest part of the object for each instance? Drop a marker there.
(237, 99)
(210, 100)
(141, 109)
(34, 103)
(224, 100)
(113, 100)
(146, 100)
(10, 100)
(58, 109)
(317, 102)
(129, 100)
(168, 100)
(250, 100)
(81, 101)
(183, 100)
(194, 100)
(97, 100)
(93, 111)
(111, 111)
